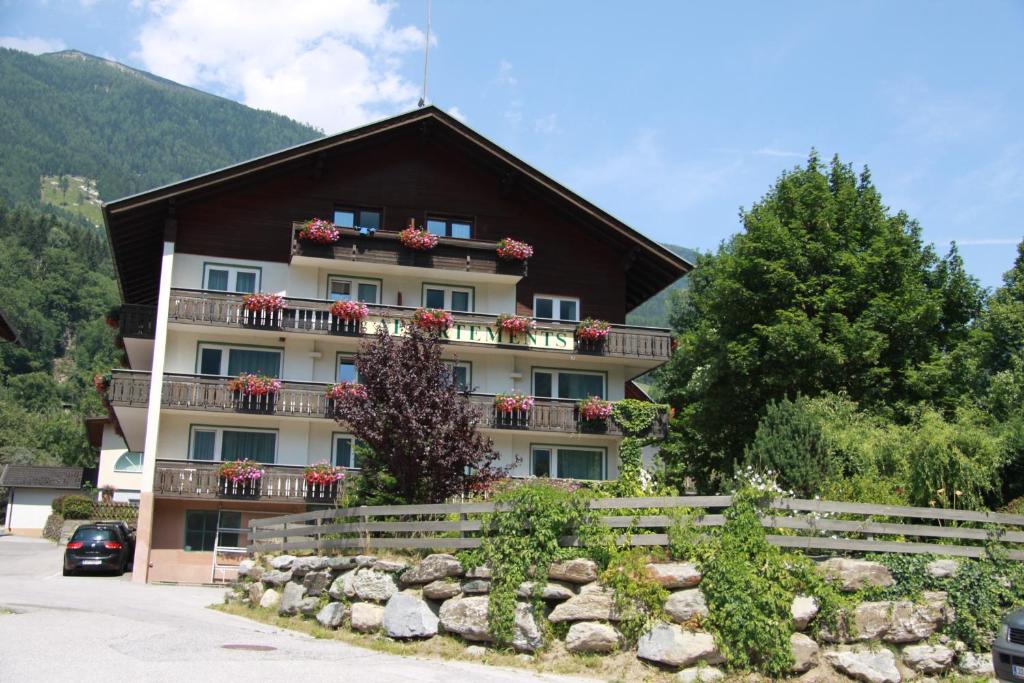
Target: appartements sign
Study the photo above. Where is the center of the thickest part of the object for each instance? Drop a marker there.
(557, 340)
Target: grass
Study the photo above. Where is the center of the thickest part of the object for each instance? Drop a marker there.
(74, 194)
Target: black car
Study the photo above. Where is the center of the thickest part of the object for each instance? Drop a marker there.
(104, 546)
(1008, 648)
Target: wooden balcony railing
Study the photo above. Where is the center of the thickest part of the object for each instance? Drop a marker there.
(194, 392)
(313, 316)
(200, 480)
(383, 248)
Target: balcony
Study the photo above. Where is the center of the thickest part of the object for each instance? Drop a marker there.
(137, 321)
(384, 249)
(307, 400)
(645, 345)
(200, 481)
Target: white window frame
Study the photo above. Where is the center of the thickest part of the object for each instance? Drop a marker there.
(554, 372)
(225, 350)
(233, 272)
(218, 440)
(354, 283)
(452, 364)
(335, 438)
(126, 454)
(556, 301)
(342, 356)
(553, 458)
(448, 289)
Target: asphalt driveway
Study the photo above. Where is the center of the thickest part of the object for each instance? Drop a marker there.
(103, 628)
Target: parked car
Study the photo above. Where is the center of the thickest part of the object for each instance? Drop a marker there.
(128, 534)
(1008, 648)
(101, 546)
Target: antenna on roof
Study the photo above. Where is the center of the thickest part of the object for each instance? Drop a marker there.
(426, 58)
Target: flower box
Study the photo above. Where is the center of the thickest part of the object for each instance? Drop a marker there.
(434, 320)
(347, 317)
(319, 231)
(344, 389)
(591, 334)
(515, 324)
(240, 479)
(253, 393)
(263, 310)
(593, 413)
(416, 239)
(512, 410)
(513, 250)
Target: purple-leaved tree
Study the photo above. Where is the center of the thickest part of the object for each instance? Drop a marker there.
(416, 421)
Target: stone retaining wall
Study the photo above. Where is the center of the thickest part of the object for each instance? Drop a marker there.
(887, 642)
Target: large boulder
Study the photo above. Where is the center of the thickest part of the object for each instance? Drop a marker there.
(256, 592)
(364, 560)
(805, 653)
(670, 644)
(246, 568)
(467, 617)
(303, 565)
(527, 636)
(928, 659)
(589, 636)
(366, 617)
(369, 584)
(912, 622)
(271, 598)
(276, 578)
(700, 674)
(282, 562)
(976, 664)
(853, 575)
(804, 609)
(686, 605)
(483, 572)
(551, 592)
(341, 563)
(476, 587)
(406, 616)
(308, 607)
(574, 571)
(332, 614)
(870, 666)
(674, 575)
(291, 597)
(390, 566)
(432, 568)
(316, 582)
(594, 603)
(441, 590)
(942, 569)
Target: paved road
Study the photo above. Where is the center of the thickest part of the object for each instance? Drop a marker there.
(102, 628)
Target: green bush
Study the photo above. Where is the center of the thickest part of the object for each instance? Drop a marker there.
(57, 505)
(77, 507)
(791, 442)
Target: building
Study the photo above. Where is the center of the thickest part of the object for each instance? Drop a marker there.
(30, 492)
(186, 254)
(119, 468)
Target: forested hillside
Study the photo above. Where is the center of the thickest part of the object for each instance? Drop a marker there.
(71, 113)
(656, 311)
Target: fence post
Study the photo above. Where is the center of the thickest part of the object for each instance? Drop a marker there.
(319, 536)
(284, 535)
(365, 534)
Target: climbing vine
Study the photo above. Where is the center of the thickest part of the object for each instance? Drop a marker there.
(635, 418)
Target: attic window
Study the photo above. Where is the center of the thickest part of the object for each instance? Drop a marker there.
(459, 228)
(357, 218)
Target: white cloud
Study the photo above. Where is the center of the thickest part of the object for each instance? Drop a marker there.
(547, 125)
(774, 152)
(34, 44)
(457, 114)
(333, 64)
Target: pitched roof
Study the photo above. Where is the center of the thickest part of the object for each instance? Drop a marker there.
(41, 477)
(94, 430)
(135, 224)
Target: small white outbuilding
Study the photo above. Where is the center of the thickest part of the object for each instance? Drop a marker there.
(30, 491)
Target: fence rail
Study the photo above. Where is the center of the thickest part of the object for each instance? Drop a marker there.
(456, 525)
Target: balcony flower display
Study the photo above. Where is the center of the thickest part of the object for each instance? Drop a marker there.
(343, 389)
(240, 471)
(254, 385)
(319, 231)
(419, 240)
(512, 402)
(350, 311)
(263, 302)
(514, 250)
(101, 383)
(432, 319)
(114, 317)
(515, 324)
(593, 330)
(323, 474)
(593, 409)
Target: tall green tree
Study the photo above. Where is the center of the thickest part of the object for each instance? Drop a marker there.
(825, 290)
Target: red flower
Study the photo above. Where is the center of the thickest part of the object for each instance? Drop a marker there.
(420, 240)
(514, 250)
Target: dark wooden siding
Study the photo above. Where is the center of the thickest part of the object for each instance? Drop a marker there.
(408, 175)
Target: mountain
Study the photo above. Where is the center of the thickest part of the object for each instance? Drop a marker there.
(655, 311)
(70, 113)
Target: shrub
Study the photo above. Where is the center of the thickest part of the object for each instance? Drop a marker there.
(790, 441)
(57, 505)
(77, 507)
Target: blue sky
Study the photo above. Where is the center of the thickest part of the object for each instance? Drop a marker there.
(670, 115)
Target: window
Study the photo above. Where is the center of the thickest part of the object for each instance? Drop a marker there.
(223, 360)
(200, 530)
(223, 278)
(130, 461)
(449, 298)
(450, 227)
(562, 384)
(219, 443)
(567, 463)
(462, 373)
(345, 451)
(357, 218)
(346, 369)
(230, 530)
(349, 289)
(556, 308)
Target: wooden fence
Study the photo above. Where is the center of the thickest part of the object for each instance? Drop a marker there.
(810, 524)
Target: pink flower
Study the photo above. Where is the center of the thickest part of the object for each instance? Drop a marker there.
(593, 330)
(432, 319)
(514, 250)
(512, 402)
(319, 231)
(263, 302)
(515, 324)
(594, 408)
(351, 311)
(344, 389)
(420, 240)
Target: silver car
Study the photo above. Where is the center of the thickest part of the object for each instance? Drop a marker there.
(1008, 648)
